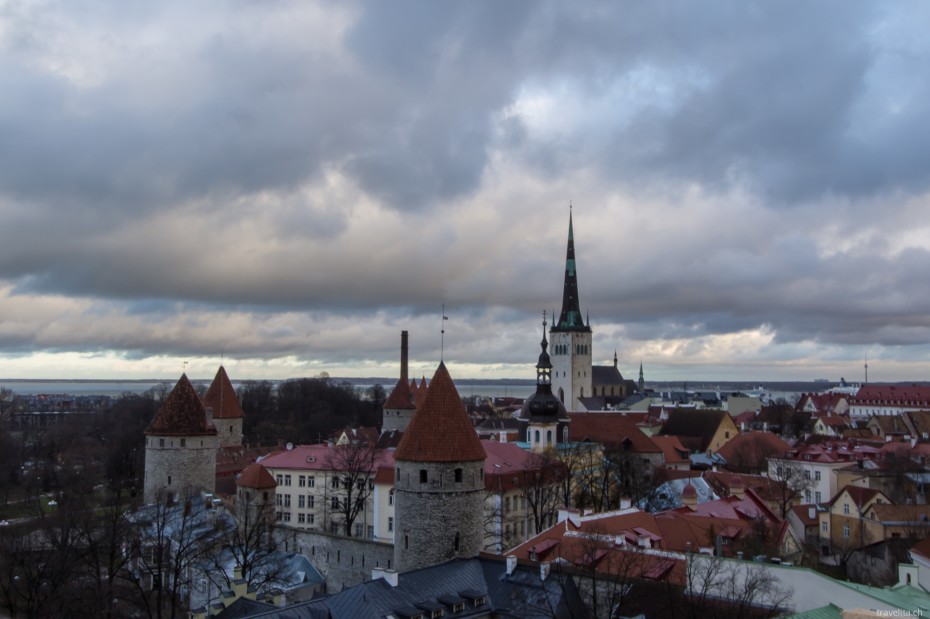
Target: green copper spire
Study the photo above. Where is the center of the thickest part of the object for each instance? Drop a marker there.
(570, 319)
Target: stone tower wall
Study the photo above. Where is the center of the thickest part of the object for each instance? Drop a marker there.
(429, 515)
(229, 432)
(396, 419)
(189, 462)
(571, 370)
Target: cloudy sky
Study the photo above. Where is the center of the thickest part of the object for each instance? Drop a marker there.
(288, 185)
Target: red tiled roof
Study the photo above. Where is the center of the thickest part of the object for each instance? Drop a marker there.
(320, 458)
(222, 398)
(506, 464)
(181, 414)
(613, 430)
(400, 398)
(440, 430)
(256, 476)
(762, 444)
(675, 452)
(893, 395)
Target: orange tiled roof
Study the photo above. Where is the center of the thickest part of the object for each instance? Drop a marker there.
(440, 430)
(675, 452)
(400, 398)
(181, 414)
(222, 398)
(256, 476)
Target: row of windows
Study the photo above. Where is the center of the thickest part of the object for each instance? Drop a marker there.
(562, 349)
(516, 503)
(458, 477)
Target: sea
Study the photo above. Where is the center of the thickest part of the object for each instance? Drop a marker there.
(480, 388)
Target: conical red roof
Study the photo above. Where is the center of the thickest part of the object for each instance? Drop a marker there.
(181, 414)
(256, 476)
(440, 430)
(222, 398)
(400, 398)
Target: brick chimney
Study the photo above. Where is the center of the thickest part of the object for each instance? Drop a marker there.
(403, 355)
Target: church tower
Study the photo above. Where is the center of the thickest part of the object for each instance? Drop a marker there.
(180, 446)
(542, 411)
(571, 340)
(438, 481)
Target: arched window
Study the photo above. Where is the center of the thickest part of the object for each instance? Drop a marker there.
(457, 541)
(537, 436)
(548, 437)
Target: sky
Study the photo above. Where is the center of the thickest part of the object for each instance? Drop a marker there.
(282, 187)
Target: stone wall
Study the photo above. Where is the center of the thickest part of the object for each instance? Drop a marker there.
(396, 419)
(229, 432)
(343, 561)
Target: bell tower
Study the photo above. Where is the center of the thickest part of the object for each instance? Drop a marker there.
(571, 339)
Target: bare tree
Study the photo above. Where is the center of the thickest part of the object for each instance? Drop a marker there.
(353, 465)
(251, 546)
(542, 484)
(172, 537)
(792, 481)
(728, 589)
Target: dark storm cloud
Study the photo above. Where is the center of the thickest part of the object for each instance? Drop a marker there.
(186, 172)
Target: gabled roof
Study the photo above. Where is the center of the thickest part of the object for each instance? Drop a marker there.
(222, 398)
(613, 430)
(752, 445)
(890, 424)
(900, 514)
(917, 396)
(606, 375)
(699, 423)
(860, 496)
(674, 451)
(256, 476)
(440, 430)
(181, 414)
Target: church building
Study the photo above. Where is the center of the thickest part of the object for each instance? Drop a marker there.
(580, 385)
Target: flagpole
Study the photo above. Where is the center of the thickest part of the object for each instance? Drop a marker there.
(442, 334)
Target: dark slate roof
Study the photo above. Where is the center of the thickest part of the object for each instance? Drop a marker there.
(695, 423)
(243, 607)
(440, 430)
(222, 398)
(498, 424)
(521, 594)
(181, 414)
(606, 375)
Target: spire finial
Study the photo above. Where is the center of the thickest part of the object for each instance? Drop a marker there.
(184, 367)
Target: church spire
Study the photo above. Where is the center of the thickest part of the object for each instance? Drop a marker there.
(570, 319)
(642, 381)
(544, 365)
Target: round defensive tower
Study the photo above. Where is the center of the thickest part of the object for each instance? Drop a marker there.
(180, 446)
(439, 482)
